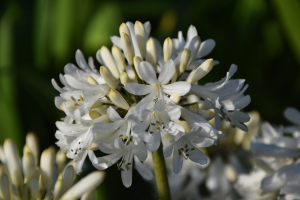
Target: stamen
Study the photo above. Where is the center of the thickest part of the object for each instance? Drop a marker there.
(73, 99)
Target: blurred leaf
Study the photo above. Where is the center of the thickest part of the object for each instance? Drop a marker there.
(289, 15)
(63, 24)
(9, 118)
(272, 39)
(41, 30)
(104, 24)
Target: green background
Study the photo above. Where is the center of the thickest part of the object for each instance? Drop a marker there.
(37, 38)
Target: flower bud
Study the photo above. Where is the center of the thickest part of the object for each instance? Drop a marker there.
(151, 53)
(201, 71)
(174, 77)
(34, 189)
(60, 160)
(175, 98)
(116, 52)
(127, 48)
(184, 59)
(91, 80)
(2, 155)
(28, 165)
(124, 78)
(67, 178)
(109, 61)
(141, 37)
(89, 195)
(86, 184)
(108, 77)
(209, 114)
(131, 74)
(57, 192)
(33, 143)
(13, 162)
(4, 186)
(117, 99)
(46, 165)
(137, 61)
(124, 29)
(168, 48)
(194, 48)
(94, 114)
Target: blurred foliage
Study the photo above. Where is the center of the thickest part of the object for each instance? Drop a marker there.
(37, 39)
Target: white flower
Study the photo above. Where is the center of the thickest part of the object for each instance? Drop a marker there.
(226, 97)
(292, 115)
(157, 88)
(158, 120)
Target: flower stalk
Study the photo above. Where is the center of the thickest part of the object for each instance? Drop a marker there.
(161, 174)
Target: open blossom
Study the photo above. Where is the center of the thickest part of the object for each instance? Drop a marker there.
(139, 96)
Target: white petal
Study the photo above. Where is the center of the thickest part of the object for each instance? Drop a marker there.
(154, 144)
(273, 151)
(179, 88)
(146, 102)
(81, 61)
(105, 128)
(116, 41)
(168, 150)
(143, 169)
(205, 48)
(113, 115)
(174, 113)
(167, 72)
(192, 32)
(147, 72)
(147, 26)
(138, 89)
(107, 161)
(177, 161)
(87, 183)
(292, 115)
(160, 105)
(198, 156)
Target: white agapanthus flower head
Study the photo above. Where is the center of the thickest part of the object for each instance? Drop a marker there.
(45, 177)
(139, 95)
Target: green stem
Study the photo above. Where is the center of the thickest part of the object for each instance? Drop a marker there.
(161, 174)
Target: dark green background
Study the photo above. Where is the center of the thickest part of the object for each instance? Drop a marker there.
(37, 38)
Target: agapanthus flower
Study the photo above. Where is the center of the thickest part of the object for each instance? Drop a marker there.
(138, 96)
(46, 178)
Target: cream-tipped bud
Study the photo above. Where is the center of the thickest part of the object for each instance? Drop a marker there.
(97, 104)
(151, 53)
(141, 37)
(209, 114)
(116, 52)
(2, 155)
(86, 184)
(67, 178)
(13, 162)
(175, 98)
(137, 61)
(57, 192)
(184, 59)
(33, 143)
(124, 29)
(109, 61)
(131, 74)
(201, 71)
(46, 165)
(118, 99)
(91, 80)
(124, 78)
(108, 77)
(61, 159)
(94, 114)
(34, 189)
(127, 48)
(174, 77)
(26, 149)
(168, 48)
(4, 187)
(28, 165)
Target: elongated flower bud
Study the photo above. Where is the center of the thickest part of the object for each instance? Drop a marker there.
(124, 78)
(174, 77)
(47, 161)
(185, 57)
(168, 48)
(201, 71)
(131, 74)
(57, 192)
(175, 98)
(13, 162)
(28, 165)
(117, 99)
(4, 186)
(108, 77)
(124, 29)
(137, 61)
(140, 34)
(94, 114)
(67, 178)
(127, 48)
(33, 144)
(34, 188)
(60, 160)
(109, 61)
(151, 53)
(116, 52)
(91, 80)
(86, 184)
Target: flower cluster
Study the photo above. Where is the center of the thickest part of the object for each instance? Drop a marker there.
(46, 178)
(143, 92)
